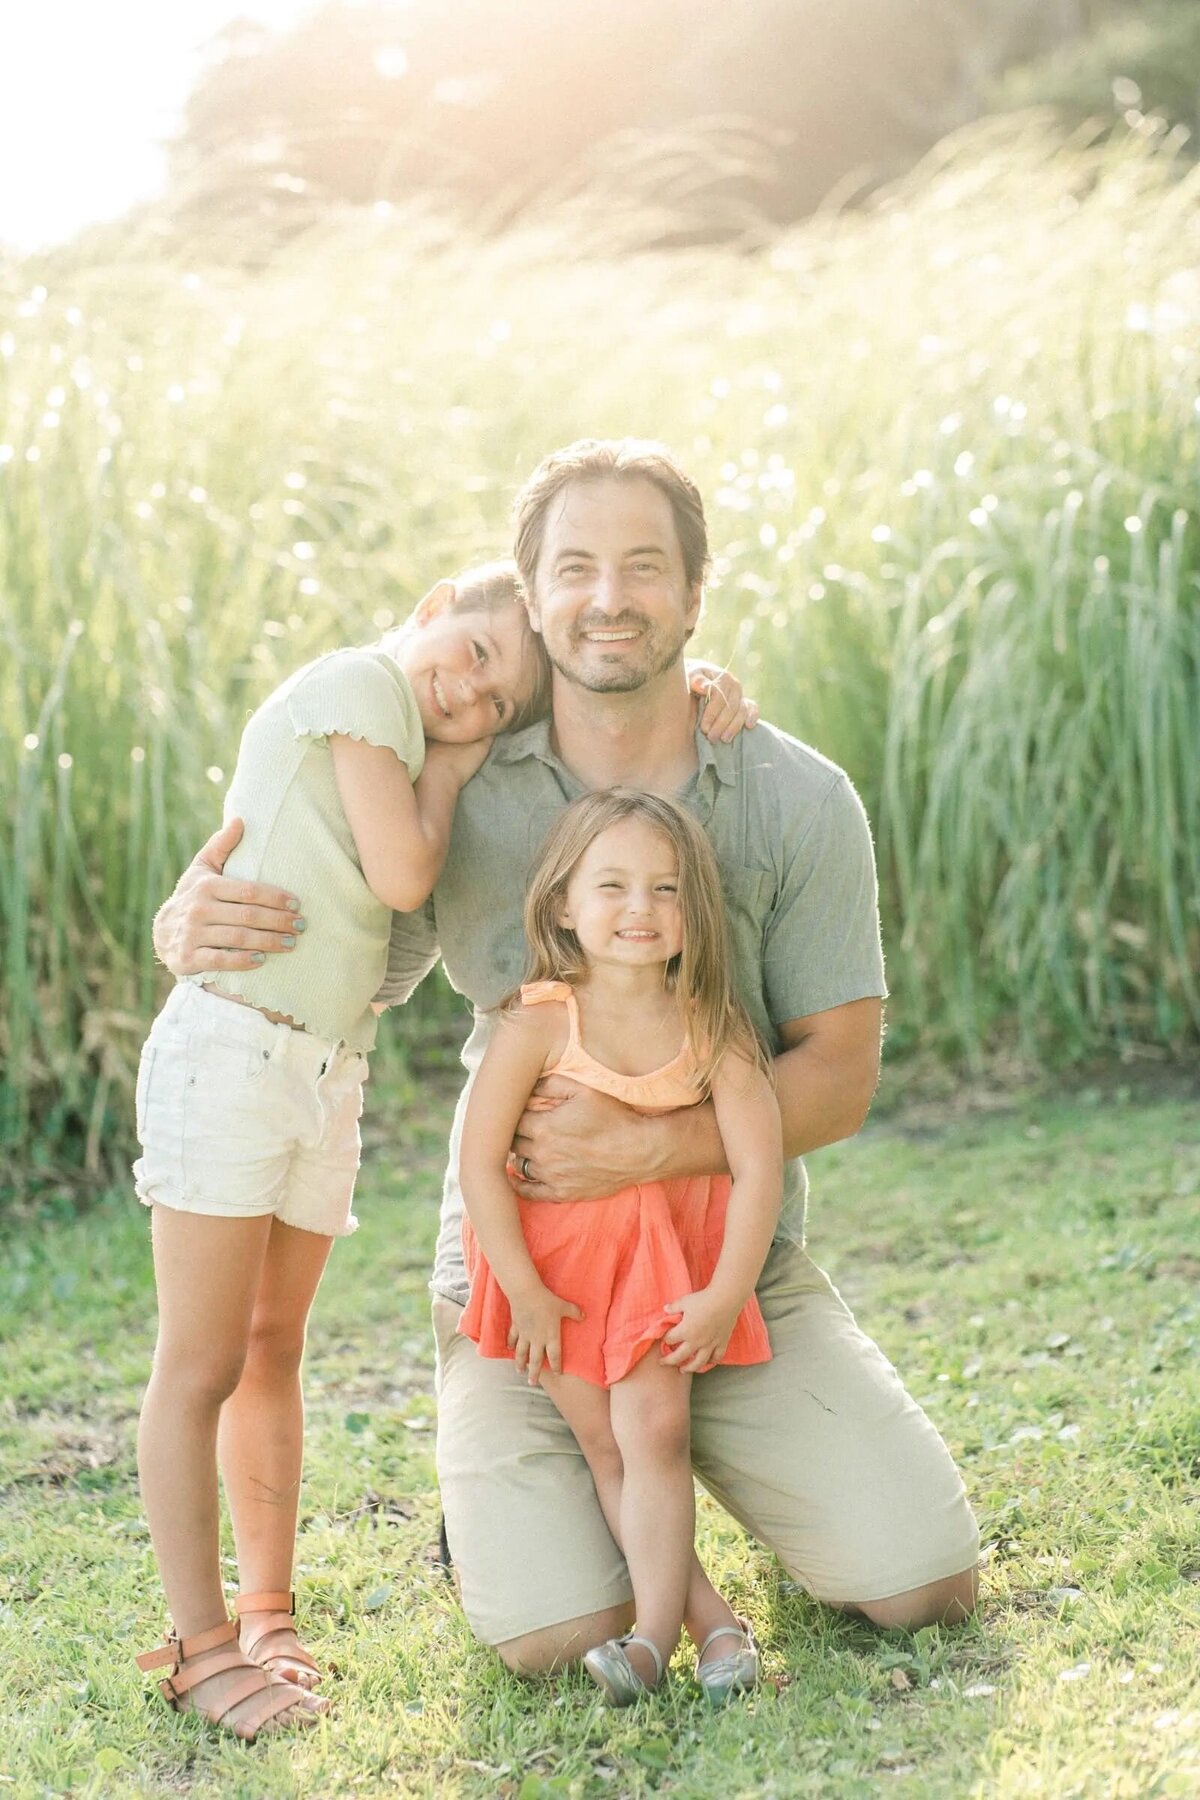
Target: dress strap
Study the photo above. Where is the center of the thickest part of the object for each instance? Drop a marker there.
(536, 993)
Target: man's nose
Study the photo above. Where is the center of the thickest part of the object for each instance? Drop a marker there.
(608, 595)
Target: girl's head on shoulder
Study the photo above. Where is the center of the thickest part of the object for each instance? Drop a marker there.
(474, 664)
(629, 880)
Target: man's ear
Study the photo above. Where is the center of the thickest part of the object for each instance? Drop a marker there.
(531, 612)
(695, 603)
(436, 601)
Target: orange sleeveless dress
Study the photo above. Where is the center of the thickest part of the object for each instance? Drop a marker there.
(621, 1258)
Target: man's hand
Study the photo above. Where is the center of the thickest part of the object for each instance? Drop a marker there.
(535, 1337)
(210, 922)
(573, 1143)
(705, 1325)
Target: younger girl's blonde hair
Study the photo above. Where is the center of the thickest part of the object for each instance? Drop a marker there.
(714, 1019)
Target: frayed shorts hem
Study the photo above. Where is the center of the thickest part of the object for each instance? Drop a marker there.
(204, 1210)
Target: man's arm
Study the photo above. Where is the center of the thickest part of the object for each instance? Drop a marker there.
(211, 922)
(592, 1144)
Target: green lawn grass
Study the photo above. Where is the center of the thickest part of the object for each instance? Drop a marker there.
(1032, 1269)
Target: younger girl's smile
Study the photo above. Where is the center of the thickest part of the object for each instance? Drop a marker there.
(622, 899)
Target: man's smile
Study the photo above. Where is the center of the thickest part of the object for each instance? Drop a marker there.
(610, 631)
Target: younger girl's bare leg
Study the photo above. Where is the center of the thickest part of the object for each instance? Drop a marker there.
(636, 1440)
(652, 1427)
(261, 1436)
(207, 1272)
(585, 1408)
(706, 1611)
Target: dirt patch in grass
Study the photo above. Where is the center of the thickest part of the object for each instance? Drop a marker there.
(70, 1444)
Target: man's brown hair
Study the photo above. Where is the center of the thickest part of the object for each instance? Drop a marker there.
(610, 459)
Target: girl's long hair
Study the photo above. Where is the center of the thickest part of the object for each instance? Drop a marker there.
(701, 974)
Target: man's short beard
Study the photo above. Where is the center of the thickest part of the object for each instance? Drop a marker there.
(618, 679)
(604, 681)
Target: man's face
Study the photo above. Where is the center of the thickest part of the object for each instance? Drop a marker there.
(610, 596)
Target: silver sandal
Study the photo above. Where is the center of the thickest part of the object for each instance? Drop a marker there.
(737, 1672)
(612, 1671)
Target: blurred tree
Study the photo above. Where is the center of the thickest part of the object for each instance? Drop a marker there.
(1142, 59)
(725, 114)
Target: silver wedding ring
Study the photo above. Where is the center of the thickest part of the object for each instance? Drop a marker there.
(524, 1168)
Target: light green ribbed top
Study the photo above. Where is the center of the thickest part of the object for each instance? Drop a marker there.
(297, 837)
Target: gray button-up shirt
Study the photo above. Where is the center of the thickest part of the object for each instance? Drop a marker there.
(797, 867)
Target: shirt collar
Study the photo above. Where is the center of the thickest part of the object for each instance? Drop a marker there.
(534, 741)
(517, 746)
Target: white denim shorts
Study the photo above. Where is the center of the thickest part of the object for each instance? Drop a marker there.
(239, 1117)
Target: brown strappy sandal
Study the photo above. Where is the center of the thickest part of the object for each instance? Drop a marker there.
(272, 1613)
(272, 1694)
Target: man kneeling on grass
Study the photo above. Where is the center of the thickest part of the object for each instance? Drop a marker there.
(820, 1453)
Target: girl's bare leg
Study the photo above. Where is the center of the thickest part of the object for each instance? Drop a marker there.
(636, 1440)
(261, 1436)
(704, 1611)
(652, 1426)
(207, 1273)
(585, 1408)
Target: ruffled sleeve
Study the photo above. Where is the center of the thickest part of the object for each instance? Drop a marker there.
(360, 694)
(536, 993)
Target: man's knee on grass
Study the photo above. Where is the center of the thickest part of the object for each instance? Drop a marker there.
(561, 1646)
(947, 1602)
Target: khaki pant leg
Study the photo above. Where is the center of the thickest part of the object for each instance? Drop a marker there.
(523, 1523)
(822, 1454)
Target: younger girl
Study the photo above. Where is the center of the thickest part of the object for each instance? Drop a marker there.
(614, 1304)
(248, 1099)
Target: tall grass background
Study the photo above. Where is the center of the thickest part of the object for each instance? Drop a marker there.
(949, 447)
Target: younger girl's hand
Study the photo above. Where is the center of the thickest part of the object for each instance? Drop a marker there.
(535, 1336)
(726, 711)
(702, 1332)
